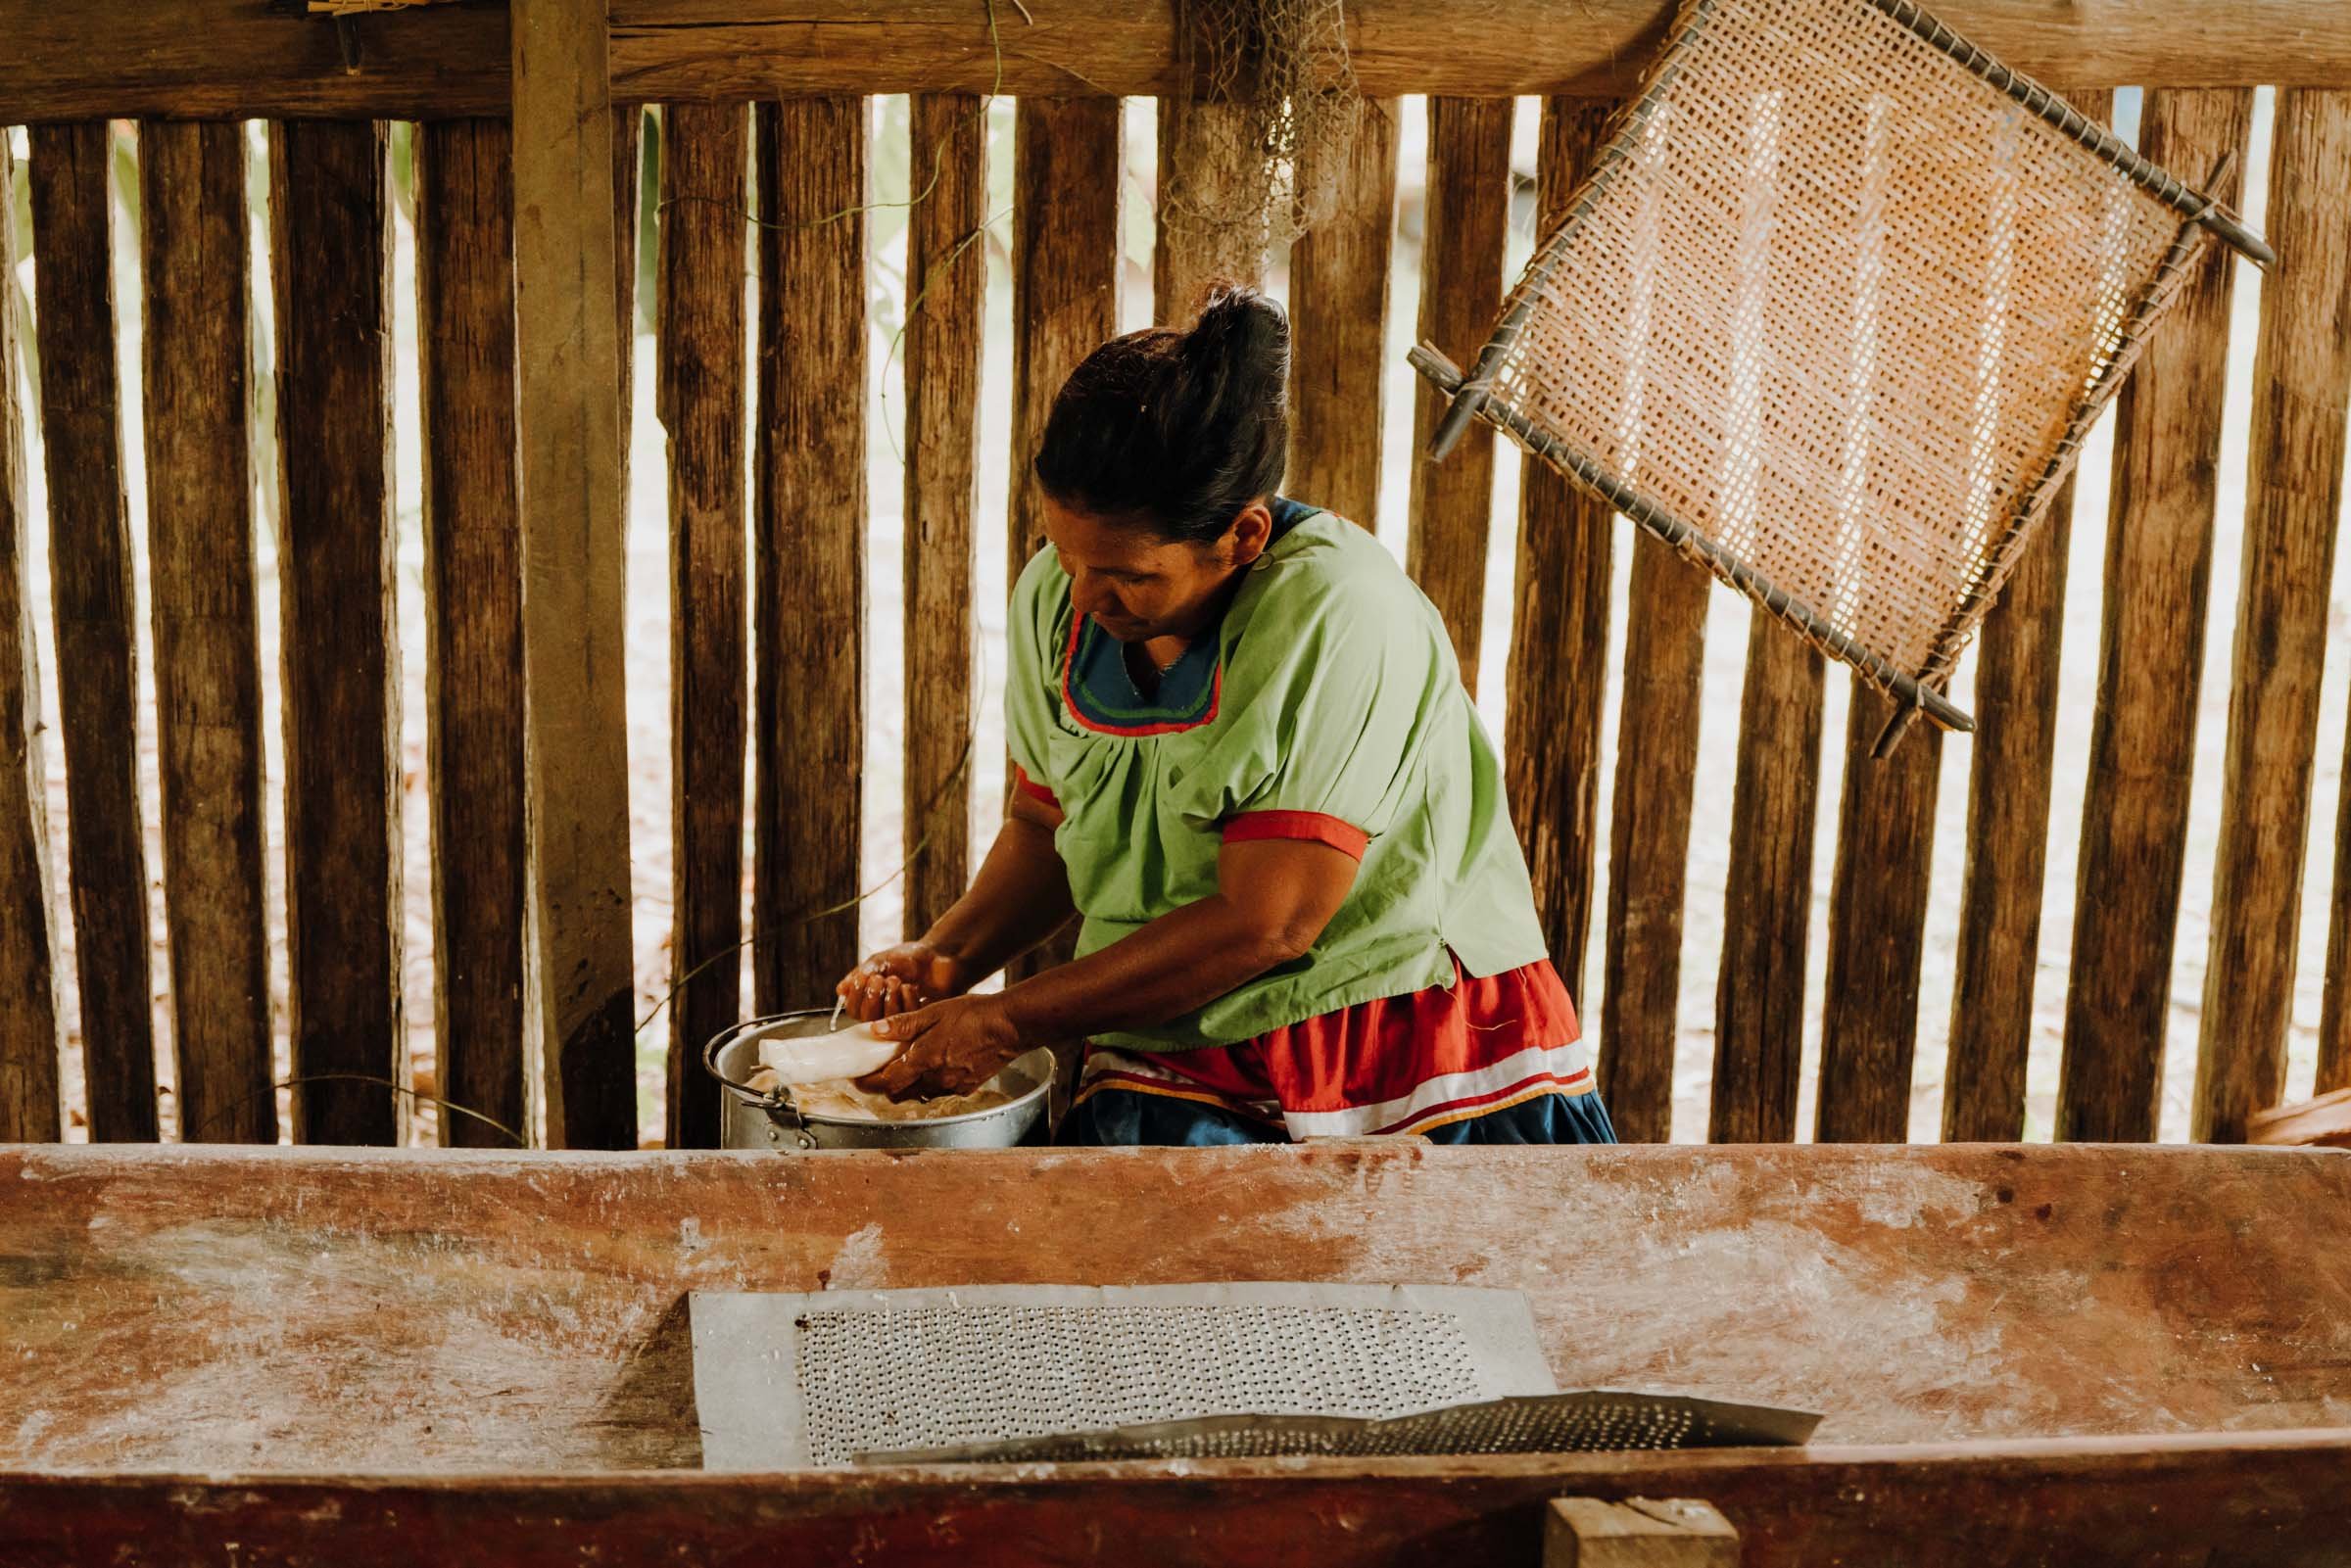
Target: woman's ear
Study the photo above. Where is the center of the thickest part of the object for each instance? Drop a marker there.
(1252, 531)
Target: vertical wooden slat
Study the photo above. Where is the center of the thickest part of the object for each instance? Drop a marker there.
(1206, 168)
(703, 147)
(567, 362)
(1558, 652)
(1467, 219)
(472, 617)
(946, 291)
(1767, 904)
(208, 669)
(2150, 665)
(1339, 330)
(810, 591)
(30, 1107)
(2294, 498)
(89, 554)
(330, 266)
(1876, 929)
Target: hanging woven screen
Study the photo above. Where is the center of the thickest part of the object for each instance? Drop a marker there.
(1832, 314)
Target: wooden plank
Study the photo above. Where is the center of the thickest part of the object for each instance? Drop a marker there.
(1339, 330)
(1876, 929)
(946, 282)
(573, 536)
(31, 1104)
(90, 593)
(542, 1329)
(1558, 652)
(1767, 900)
(811, 500)
(1467, 223)
(1637, 1533)
(229, 59)
(342, 696)
(472, 619)
(1648, 838)
(704, 259)
(2150, 665)
(2293, 497)
(1204, 178)
(2323, 1121)
(207, 662)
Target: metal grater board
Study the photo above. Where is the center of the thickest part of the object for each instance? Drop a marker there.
(789, 1380)
(1551, 1423)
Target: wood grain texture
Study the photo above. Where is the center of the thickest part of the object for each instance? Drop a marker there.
(704, 152)
(207, 662)
(946, 271)
(2293, 500)
(232, 58)
(2150, 666)
(810, 499)
(1199, 243)
(31, 1108)
(472, 619)
(284, 1296)
(2212, 1501)
(327, 199)
(1876, 929)
(1639, 1533)
(568, 367)
(1339, 330)
(1649, 836)
(1467, 224)
(1560, 629)
(1767, 901)
(90, 595)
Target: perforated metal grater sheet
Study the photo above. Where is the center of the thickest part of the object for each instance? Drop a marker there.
(785, 1381)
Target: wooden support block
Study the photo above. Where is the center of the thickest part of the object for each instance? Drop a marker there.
(946, 284)
(208, 671)
(2150, 664)
(1339, 330)
(1467, 224)
(567, 362)
(704, 152)
(1637, 1533)
(31, 1110)
(90, 592)
(2324, 1122)
(810, 501)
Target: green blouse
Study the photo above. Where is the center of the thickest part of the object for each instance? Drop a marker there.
(1326, 704)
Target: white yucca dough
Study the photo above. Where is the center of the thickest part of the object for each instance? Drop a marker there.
(850, 1052)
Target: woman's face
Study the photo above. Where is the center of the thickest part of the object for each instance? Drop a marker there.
(1138, 586)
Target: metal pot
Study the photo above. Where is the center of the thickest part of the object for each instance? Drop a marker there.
(751, 1120)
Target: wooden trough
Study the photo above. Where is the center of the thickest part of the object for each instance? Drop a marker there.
(2070, 1354)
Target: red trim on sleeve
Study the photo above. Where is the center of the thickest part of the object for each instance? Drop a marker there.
(1311, 827)
(1034, 790)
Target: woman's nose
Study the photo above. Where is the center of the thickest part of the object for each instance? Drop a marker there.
(1088, 595)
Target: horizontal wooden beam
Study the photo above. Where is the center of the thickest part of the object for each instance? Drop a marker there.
(237, 58)
(2274, 1499)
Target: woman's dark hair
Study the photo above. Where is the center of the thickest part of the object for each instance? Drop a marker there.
(1175, 431)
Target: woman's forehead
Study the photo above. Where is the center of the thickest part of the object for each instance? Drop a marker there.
(1102, 544)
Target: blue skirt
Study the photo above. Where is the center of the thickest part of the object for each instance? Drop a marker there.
(1121, 1117)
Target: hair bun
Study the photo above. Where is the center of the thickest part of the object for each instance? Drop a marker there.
(1240, 334)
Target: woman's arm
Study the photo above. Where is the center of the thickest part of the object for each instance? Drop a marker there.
(1272, 899)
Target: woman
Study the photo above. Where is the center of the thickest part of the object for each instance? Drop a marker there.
(1245, 758)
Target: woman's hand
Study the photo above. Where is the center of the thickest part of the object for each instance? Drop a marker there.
(950, 1047)
(898, 979)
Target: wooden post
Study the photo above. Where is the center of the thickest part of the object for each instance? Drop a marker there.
(1339, 330)
(1877, 929)
(573, 546)
(1205, 166)
(2150, 664)
(2294, 498)
(97, 678)
(472, 619)
(1767, 904)
(208, 661)
(947, 292)
(1558, 652)
(31, 1110)
(700, 402)
(810, 591)
(1637, 1533)
(1467, 221)
(331, 271)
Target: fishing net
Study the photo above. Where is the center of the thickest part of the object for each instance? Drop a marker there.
(1264, 159)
